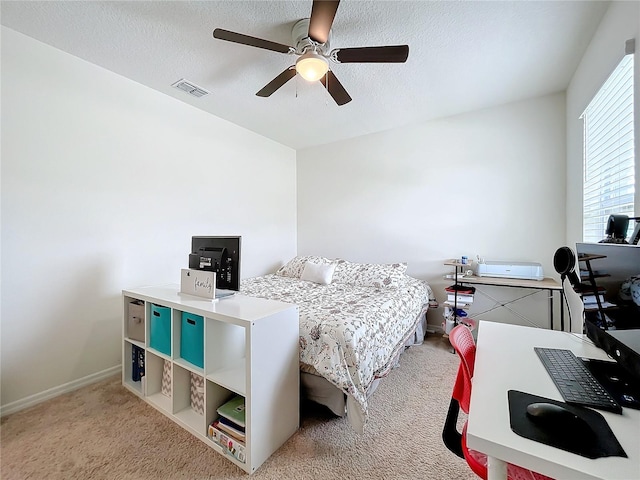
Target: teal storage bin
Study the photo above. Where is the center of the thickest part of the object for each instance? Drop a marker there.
(192, 339)
(161, 329)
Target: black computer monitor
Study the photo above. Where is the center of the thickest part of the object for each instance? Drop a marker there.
(220, 255)
(619, 262)
(618, 333)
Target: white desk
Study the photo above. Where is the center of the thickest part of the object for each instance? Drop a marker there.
(505, 360)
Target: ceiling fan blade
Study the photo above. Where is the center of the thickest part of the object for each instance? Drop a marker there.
(221, 34)
(277, 82)
(335, 88)
(322, 14)
(389, 54)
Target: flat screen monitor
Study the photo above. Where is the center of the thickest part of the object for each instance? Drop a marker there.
(618, 333)
(619, 262)
(220, 255)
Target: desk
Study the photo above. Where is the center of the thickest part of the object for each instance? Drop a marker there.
(545, 284)
(505, 360)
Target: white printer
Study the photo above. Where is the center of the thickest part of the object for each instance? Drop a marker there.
(521, 270)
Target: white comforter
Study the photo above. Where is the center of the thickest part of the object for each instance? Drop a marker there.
(349, 334)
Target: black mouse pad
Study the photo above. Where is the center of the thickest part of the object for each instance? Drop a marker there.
(596, 441)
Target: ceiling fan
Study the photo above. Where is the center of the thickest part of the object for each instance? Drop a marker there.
(311, 37)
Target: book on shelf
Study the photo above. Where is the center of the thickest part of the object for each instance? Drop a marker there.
(460, 298)
(230, 428)
(137, 363)
(230, 446)
(594, 305)
(233, 410)
(460, 289)
(590, 298)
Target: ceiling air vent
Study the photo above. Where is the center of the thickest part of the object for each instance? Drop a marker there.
(190, 88)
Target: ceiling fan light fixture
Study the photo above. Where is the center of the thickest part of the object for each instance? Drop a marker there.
(311, 66)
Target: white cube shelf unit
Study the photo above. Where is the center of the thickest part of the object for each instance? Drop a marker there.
(250, 349)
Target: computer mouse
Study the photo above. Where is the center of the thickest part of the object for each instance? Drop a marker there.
(557, 419)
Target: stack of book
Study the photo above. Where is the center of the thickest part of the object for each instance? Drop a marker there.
(460, 294)
(591, 300)
(228, 430)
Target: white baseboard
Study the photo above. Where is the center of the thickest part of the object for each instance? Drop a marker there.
(56, 391)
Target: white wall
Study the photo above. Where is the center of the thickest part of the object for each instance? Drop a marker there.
(620, 23)
(487, 183)
(104, 182)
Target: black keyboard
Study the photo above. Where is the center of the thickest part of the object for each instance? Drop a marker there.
(576, 383)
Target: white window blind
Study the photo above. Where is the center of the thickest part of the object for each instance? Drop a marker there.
(609, 173)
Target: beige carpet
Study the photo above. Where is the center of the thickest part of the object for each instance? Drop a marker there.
(104, 432)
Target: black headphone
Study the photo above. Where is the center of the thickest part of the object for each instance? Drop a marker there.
(564, 261)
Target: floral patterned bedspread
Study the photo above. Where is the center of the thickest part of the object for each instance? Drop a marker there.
(349, 334)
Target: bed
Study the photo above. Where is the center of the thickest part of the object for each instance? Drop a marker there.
(355, 321)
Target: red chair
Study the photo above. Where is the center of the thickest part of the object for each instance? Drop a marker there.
(464, 345)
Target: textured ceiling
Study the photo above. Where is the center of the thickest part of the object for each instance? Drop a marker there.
(464, 55)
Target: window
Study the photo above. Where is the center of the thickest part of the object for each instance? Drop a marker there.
(609, 173)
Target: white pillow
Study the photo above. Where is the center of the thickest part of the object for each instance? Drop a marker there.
(318, 272)
(293, 268)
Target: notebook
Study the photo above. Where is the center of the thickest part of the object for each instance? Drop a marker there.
(233, 410)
